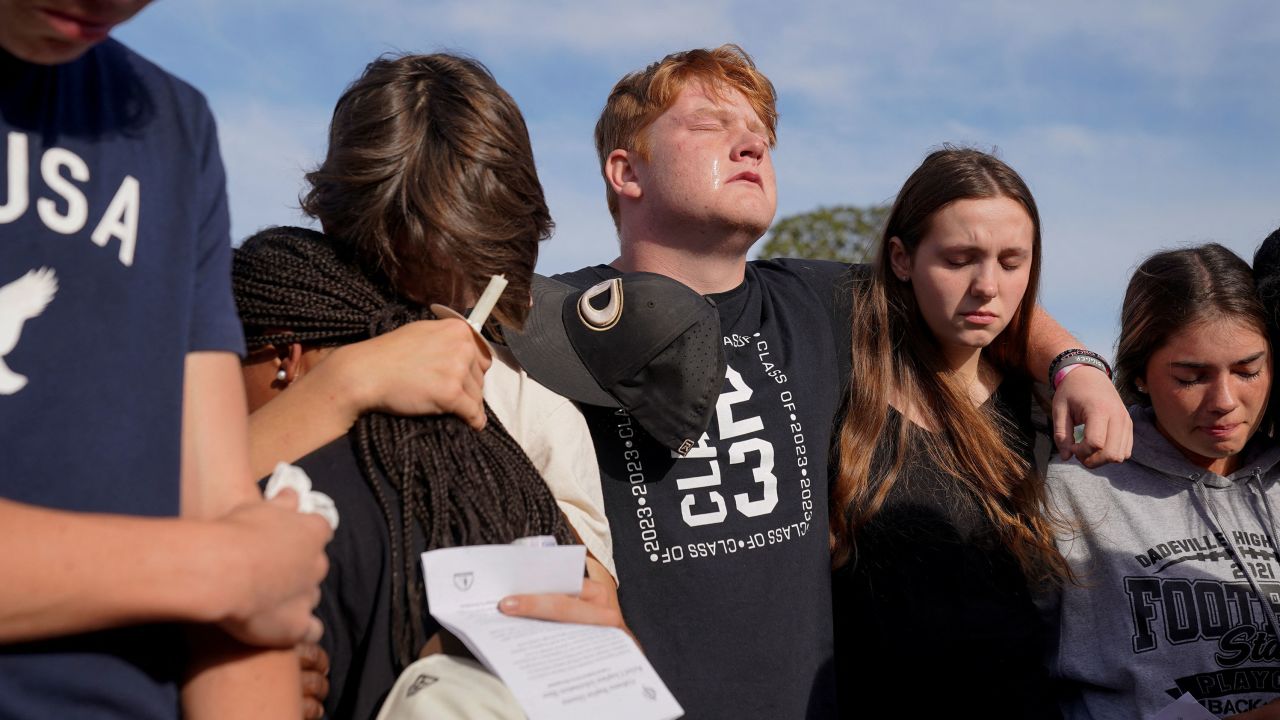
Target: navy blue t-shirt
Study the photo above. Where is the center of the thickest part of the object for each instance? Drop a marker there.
(114, 264)
(722, 556)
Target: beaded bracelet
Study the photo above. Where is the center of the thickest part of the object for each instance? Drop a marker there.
(1076, 356)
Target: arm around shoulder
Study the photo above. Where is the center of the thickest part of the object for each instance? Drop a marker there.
(1084, 397)
(423, 368)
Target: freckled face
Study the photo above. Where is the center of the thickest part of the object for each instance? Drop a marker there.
(57, 31)
(970, 272)
(1209, 386)
(709, 163)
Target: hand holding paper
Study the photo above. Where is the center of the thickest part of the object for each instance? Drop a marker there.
(595, 604)
(555, 670)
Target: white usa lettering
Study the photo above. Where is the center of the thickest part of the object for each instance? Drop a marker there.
(118, 221)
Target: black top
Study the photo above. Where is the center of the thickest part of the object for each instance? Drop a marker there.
(722, 554)
(355, 601)
(933, 616)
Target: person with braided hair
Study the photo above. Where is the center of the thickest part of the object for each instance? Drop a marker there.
(404, 485)
(427, 190)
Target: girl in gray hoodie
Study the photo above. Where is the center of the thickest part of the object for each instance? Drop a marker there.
(1174, 551)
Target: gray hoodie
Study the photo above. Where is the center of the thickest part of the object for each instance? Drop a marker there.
(1164, 608)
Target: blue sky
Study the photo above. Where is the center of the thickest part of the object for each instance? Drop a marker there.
(1138, 125)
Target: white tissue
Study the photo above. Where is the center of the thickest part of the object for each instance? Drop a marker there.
(309, 501)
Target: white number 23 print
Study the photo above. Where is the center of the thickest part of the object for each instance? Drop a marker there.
(703, 504)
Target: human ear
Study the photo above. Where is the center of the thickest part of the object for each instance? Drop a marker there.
(291, 362)
(899, 259)
(620, 173)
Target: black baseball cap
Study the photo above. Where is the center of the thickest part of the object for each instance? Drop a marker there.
(640, 341)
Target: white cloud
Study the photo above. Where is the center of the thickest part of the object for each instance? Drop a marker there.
(266, 148)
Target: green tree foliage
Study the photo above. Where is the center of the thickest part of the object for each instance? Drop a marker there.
(842, 232)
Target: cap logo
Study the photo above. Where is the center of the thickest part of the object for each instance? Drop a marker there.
(610, 314)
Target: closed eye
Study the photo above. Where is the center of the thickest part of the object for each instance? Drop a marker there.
(1012, 260)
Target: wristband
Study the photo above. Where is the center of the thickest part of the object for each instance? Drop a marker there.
(1057, 379)
(1072, 357)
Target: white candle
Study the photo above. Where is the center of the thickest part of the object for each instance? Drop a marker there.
(487, 300)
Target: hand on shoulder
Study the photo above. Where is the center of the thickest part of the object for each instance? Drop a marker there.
(1086, 396)
(430, 367)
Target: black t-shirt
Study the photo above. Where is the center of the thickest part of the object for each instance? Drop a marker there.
(722, 555)
(933, 616)
(355, 601)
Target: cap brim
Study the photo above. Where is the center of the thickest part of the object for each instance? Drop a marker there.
(545, 352)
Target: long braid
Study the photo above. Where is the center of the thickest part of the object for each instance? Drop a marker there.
(456, 486)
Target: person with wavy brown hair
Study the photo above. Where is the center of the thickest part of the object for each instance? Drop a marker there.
(429, 181)
(428, 188)
(936, 509)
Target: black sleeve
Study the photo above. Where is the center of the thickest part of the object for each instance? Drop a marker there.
(832, 284)
(842, 319)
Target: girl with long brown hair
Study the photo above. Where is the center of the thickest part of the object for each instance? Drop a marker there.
(936, 511)
(1176, 546)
